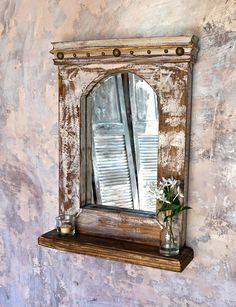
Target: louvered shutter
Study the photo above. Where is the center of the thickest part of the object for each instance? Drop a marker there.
(144, 112)
(112, 163)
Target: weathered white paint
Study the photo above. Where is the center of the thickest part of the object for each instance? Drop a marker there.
(29, 156)
(163, 48)
(171, 80)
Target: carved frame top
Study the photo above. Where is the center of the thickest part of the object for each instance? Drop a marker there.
(161, 49)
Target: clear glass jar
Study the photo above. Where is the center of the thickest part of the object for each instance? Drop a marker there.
(65, 224)
(170, 239)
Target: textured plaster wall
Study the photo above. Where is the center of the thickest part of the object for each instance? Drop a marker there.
(35, 276)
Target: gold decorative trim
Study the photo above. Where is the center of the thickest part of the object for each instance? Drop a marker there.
(165, 47)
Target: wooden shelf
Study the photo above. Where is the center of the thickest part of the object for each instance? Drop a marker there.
(118, 250)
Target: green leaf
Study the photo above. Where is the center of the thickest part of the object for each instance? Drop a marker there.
(167, 218)
(185, 208)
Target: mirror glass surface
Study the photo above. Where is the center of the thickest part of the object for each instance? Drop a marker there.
(121, 143)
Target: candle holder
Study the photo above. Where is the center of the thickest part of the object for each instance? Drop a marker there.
(65, 224)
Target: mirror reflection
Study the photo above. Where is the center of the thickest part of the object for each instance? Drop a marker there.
(121, 141)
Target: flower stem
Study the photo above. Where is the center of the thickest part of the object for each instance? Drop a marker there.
(170, 230)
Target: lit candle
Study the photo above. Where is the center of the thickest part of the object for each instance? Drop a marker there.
(66, 229)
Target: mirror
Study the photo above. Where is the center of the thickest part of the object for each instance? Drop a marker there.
(116, 137)
(122, 141)
(147, 136)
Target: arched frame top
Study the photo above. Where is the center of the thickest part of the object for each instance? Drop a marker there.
(166, 65)
(90, 88)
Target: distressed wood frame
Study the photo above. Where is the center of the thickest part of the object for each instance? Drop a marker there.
(166, 64)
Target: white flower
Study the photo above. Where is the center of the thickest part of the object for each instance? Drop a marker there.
(158, 193)
(168, 182)
(158, 190)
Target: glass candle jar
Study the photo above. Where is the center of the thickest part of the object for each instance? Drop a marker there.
(65, 224)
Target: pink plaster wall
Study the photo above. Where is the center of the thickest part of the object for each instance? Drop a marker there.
(35, 276)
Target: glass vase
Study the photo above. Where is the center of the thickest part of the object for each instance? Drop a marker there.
(169, 240)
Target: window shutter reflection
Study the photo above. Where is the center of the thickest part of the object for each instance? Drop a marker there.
(113, 168)
(122, 134)
(144, 112)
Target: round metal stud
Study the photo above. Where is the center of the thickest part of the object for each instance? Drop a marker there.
(60, 55)
(74, 55)
(166, 50)
(88, 54)
(131, 52)
(148, 51)
(116, 52)
(179, 51)
(103, 53)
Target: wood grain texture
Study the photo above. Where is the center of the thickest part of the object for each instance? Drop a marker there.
(69, 145)
(162, 47)
(117, 250)
(131, 42)
(170, 78)
(120, 224)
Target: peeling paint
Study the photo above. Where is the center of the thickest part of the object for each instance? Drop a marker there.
(35, 276)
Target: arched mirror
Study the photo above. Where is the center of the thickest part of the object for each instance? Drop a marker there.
(124, 121)
(122, 135)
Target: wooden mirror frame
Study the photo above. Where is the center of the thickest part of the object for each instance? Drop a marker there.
(166, 64)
